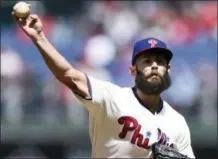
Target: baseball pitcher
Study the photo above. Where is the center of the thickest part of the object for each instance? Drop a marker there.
(124, 122)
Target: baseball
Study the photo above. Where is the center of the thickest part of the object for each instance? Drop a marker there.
(21, 9)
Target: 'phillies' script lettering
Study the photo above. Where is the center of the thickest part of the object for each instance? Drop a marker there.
(131, 124)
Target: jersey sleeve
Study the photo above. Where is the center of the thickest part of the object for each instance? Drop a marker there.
(100, 94)
(184, 141)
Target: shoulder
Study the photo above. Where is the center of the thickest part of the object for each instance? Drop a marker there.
(117, 91)
(107, 87)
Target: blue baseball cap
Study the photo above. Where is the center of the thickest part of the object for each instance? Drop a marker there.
(152, 45)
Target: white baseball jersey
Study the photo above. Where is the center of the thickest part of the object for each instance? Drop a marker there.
(121, 126)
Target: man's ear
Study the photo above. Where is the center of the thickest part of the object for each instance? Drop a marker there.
(132, 70)
(168, 68)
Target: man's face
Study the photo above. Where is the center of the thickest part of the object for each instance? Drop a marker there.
(152, 73)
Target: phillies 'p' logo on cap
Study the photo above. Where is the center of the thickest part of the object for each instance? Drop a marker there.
(153, 42)
(150, 45)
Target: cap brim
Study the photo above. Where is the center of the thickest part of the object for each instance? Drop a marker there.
(160, 50)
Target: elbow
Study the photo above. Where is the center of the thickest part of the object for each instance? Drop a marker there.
(68, 82)
(68, 78)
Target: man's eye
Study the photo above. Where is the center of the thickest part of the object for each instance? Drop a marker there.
(147, 61)
(160, 61)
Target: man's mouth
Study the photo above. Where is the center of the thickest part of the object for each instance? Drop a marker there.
(154, 75)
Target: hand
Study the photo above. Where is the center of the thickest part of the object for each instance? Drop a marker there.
(31, 25)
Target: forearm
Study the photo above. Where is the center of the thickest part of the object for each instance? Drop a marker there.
(58, 65)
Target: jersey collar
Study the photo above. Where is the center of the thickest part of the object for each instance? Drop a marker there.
(141, 102)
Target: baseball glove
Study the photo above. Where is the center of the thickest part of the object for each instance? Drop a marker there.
(164, 152)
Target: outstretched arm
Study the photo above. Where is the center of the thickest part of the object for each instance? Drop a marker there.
(58, 65)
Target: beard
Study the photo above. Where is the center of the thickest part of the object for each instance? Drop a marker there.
(154, 87)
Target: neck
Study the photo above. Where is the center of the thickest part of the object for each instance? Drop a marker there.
(152, 102)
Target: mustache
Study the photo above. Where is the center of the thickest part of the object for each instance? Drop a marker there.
(151, 74)
(154, 73)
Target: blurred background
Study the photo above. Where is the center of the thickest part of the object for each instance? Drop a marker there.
(40, 116)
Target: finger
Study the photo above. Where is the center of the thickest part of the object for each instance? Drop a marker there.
(34, 16)
(17, 19)
(20, 21)
(14, 16)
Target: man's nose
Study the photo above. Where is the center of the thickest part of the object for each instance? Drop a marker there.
(154, 65)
